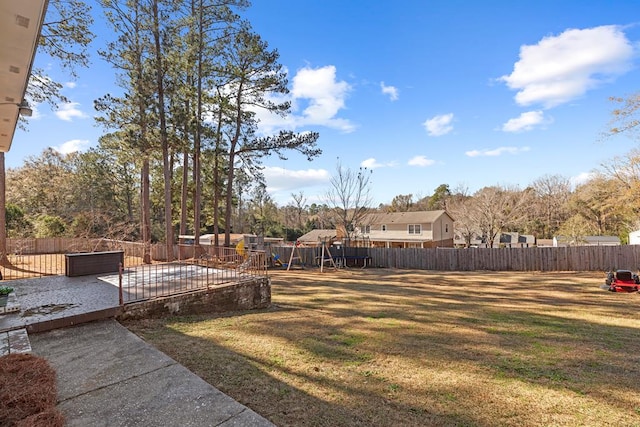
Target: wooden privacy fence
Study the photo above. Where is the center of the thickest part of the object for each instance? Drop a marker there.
(575, 258)
(52, 245)
(61, 245)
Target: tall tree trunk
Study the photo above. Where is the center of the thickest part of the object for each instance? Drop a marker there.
(145, 207)
(198, 135)
(217, 177)
(229, 198)
(168, 217)
(184, 194)
(232, 158)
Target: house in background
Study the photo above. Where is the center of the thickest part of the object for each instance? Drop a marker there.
(318, 237)
(247, 241)
(509, 239)
(460, 241)
(634, 237)
(560, 241)
(517, 240)
(423, 229)
(544, 243)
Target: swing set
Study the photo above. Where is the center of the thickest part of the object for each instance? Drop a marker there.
(296, 258)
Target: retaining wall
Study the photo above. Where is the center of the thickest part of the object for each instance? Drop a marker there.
(250, 294)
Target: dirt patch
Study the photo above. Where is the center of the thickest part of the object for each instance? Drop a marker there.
(47, 309)
(413, 348)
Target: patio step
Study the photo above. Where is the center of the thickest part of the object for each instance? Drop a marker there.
(73, 320)
(15, 341)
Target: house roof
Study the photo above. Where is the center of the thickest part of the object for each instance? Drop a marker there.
(20, 26)
(602, 239)
(591, 240)
(316, 236)
(419, 217)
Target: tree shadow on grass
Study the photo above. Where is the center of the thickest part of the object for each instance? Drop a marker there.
(421, 349)
(269, 385)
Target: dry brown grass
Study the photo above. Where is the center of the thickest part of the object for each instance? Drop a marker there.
(415, 348)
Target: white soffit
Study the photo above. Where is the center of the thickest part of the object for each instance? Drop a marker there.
(20, 26)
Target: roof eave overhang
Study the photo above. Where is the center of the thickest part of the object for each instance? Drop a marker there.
(20, 26)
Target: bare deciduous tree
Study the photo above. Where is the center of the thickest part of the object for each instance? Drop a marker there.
(626, 118)
(460, 206)
(300, 202)
(599, 202)
(497, 208)
(552, 194)
(350, 198)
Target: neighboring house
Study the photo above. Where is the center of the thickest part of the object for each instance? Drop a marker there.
(543, 243)
(250, 242)
(318, 237)
(461, 242)
(424, 229)
(209, 239)
(634, 237)
(559, 241)
(504, 240)
(517, 240)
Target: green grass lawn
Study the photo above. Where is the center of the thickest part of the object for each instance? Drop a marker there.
(413, 348)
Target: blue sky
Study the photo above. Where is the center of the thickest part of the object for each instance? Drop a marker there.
(464, 93)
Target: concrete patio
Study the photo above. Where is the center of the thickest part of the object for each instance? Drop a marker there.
(108, 376)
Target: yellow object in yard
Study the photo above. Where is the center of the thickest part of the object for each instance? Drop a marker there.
(240, 247)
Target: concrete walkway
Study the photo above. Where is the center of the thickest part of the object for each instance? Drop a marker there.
(108, 376)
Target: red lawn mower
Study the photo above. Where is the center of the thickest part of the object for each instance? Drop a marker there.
(622, 281)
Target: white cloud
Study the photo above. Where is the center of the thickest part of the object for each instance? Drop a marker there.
(280, 179)
(420, 161)
(439, 125)
(326, 96)
(70, 85)
(525, 122)
(561, 68)
(392, 91)
(69, 110)
(316, 99)
(72, 146)
(496, 151)
(372, 163)
(580, 179)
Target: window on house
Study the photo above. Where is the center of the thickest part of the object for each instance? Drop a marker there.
(415, 229)
(384, 227)
(446, 228)
(366, 229)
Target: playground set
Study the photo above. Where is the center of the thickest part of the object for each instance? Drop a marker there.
(331, 254)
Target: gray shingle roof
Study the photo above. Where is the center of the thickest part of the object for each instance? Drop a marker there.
(420, 217)
(317, 236)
